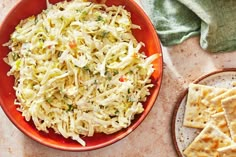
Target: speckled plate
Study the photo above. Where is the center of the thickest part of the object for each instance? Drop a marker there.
(183, 136)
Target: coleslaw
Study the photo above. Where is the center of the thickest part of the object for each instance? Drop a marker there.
(79, 70)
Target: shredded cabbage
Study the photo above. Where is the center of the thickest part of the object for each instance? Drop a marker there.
(78, 69)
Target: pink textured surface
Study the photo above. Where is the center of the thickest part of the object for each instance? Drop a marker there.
(182, 64)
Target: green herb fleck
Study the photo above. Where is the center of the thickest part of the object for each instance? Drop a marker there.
(115, 72)
(109, 78)
(59, 53)
(86, 68)
(99, 18)
(61, 9)
(36, 20)
(15, 56)
(104, 34)
(95, 81)
(116, 112)
(85, 13)
(49, 100)
(70, 107)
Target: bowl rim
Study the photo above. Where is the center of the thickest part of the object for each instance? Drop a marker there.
(130, 128)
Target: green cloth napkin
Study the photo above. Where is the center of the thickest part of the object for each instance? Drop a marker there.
(177, 20)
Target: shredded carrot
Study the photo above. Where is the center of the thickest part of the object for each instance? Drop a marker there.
(72, 44)
(122, 79)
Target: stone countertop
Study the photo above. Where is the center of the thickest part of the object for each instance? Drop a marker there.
(182, 64)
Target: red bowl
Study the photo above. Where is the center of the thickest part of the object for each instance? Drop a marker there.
(147, 35)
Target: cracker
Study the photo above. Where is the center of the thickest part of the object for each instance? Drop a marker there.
(207, 143)
(230, 92)
(228, 151)
(220, 122)
(199, 107)
(229, 106)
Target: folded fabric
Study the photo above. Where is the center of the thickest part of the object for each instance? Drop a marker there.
(177, 20)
